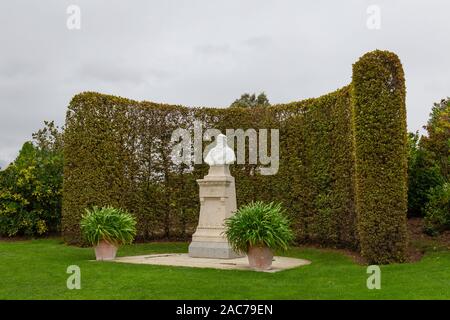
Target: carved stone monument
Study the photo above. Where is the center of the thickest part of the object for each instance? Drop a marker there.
(217, 202)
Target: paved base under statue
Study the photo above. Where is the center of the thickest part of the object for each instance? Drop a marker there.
(184, 260)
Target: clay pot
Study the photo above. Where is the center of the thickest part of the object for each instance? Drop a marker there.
(105, 251)
(260, 257)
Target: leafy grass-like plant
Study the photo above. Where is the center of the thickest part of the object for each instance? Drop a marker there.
(110, 224)
(259, 224)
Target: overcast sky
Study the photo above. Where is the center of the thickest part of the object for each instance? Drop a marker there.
(206, 53)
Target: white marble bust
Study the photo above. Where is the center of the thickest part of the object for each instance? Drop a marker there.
(221, 154)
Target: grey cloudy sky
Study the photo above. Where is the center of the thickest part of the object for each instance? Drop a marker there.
(206, 53)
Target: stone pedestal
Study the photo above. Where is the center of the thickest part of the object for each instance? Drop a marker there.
(217, 202)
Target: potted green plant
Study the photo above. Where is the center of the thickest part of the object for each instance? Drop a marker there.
(106, 229)
(257, 229)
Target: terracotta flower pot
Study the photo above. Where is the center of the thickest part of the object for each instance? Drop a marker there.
(105, 251)
(260, 257)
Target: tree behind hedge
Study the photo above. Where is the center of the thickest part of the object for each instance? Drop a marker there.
(437, 142)
(251, 101)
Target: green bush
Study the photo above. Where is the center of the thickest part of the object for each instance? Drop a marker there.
(31, 192)
(258, 224)
(437, 210)
(110, 224)
(424, 174)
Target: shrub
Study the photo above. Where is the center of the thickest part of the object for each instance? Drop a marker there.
(258, 224)
(424, 174)
(437, 210)
(30, 192)
(110, 224)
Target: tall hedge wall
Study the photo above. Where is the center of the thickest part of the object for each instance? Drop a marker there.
(381, 163)
(117, 152)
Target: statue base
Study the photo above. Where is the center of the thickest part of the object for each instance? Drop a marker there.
(217, 202)
(218, 250)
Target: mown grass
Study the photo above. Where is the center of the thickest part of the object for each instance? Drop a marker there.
(36, 269)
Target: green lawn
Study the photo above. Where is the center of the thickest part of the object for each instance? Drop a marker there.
(36, 269)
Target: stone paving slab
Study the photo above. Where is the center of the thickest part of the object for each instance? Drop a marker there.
(183, 260)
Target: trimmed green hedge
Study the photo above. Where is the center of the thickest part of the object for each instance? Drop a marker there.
(381, 156)
(117, 152)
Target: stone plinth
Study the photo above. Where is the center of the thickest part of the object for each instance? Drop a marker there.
(217, 202)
